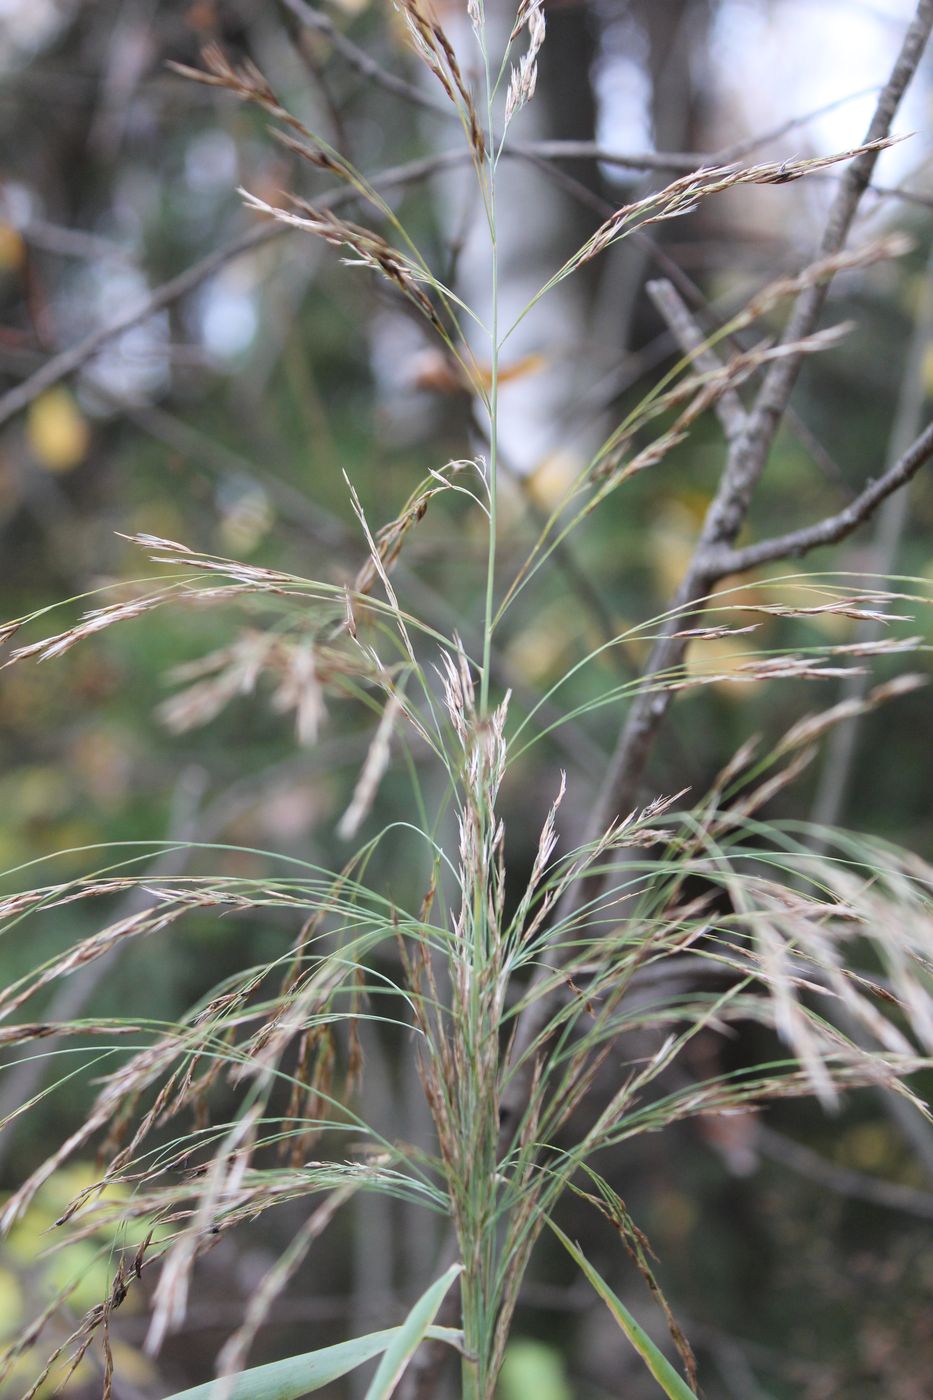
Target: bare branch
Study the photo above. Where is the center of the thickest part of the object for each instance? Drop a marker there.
(729, 407)
(71, 242)
(834, 527)
(360, 61)
(846, 1182)
(724, 520)
(677, 161)
(69, 361)
(750, 451)
(748, 458)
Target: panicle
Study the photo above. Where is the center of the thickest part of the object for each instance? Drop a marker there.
(524, 77)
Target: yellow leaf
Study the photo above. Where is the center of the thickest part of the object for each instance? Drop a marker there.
(549, 483)
(11, 1303)
(519, 369)
(57, 431)
(12, 248)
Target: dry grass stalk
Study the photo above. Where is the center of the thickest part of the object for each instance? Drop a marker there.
(524, 77)
(892, 245)
(436, 51)
(247, 83)
(301, 690)
(222, 1183)
(235, 1350)
(370, 248)
(714, 384)
(376, 559)
(390, 539)
(703, 391)
(813, 727)
(96, 620)
(684, 195)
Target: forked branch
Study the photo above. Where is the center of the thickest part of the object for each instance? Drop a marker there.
(727, 513)
(834, 527)
(749, 453)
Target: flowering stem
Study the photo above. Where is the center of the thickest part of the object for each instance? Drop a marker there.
(493, 393)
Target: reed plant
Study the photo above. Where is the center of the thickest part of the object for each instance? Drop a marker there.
(675, 916)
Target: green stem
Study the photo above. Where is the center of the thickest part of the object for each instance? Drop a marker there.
(493, 443)
(480, 1119)
(493, 401)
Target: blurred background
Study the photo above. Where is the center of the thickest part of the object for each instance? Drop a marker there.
(794, 1248)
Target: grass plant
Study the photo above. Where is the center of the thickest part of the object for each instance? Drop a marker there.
(679, 916)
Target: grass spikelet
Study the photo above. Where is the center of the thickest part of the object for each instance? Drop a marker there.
(370, 249)
(436, 52)
(524, 77)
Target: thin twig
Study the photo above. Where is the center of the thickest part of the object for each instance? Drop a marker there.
(359, 60)
(662, 161)
(63, 365)
(69, 361)
(72, 242)
(729, 407)
(843, 1180)
(748, 454)
(677, 162)
(834, 527)
(892, 519)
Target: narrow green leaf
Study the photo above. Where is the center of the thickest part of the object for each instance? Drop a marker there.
(296, 1376)
(657, 1363)
(409, 1337)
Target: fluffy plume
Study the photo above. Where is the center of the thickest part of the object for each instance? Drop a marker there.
(436, 52)
(370, 248)
(524, 77)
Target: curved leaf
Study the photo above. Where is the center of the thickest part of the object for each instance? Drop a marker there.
(659, 1366)
(409, 1336)
(296, 1376)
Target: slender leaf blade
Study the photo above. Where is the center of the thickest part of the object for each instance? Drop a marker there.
(667, 1378)
(409, 1336)
(296, 1376)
